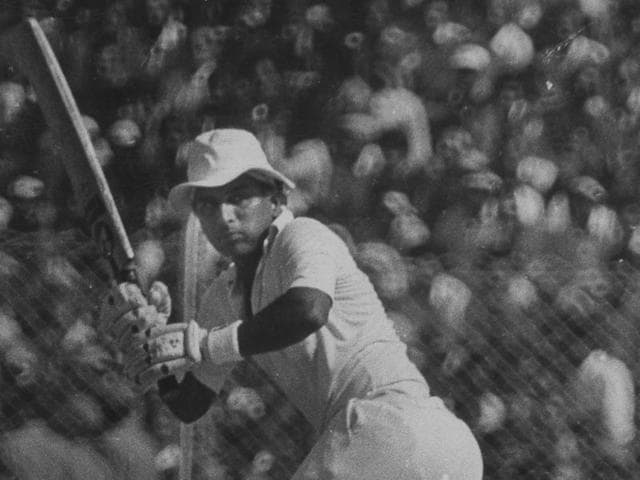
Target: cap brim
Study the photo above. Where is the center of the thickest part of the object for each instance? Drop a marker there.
(181, 196)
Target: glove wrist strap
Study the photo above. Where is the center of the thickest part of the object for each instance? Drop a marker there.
(220, 346)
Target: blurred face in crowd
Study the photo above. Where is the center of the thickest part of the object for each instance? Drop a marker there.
(137, 110)
(551, 95)
(110, 66)
(436, 13)
(510, 93)
(256, 13)
(177, 129)
(83, 17)
(115, 17)
(569, 23)
(157, 12)
(205, 45)
(235, 216)
(64, 5)
(269, 78)
(377, 14)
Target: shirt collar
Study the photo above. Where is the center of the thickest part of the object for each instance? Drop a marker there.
(281, 221)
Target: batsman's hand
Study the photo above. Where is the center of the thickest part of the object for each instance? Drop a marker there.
(125, 312)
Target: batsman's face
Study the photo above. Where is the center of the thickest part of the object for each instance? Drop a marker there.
(235, 217)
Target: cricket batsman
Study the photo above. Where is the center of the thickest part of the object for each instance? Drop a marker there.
(295, 302)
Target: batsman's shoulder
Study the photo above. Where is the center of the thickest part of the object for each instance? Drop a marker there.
(308, 229)
(310, 233)
(305, 223)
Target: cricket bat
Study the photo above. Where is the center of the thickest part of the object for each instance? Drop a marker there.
(26, 47)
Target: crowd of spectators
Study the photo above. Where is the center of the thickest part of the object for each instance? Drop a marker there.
(481, 159)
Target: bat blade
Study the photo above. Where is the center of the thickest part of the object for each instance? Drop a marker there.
(26, 47)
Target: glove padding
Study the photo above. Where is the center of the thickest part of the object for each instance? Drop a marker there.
(125, 312)
(164, 350)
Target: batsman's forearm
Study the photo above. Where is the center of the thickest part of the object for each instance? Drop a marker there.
(287, 320)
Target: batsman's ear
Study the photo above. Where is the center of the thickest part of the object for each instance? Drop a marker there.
(277, 205)
(279, 197)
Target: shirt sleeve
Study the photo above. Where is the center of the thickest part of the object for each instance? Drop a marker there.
(313, 255)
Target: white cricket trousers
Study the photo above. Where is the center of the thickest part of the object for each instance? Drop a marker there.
(396, 433)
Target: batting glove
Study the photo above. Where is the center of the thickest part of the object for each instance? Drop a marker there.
(125, 312)
(177, 348)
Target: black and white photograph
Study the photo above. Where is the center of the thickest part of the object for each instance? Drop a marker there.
(319, 240)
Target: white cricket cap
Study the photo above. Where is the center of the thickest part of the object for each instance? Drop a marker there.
(218, 157)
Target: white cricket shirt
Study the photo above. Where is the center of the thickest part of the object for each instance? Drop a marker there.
(357, 351)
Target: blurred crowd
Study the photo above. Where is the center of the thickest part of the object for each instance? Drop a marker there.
(480, 158)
